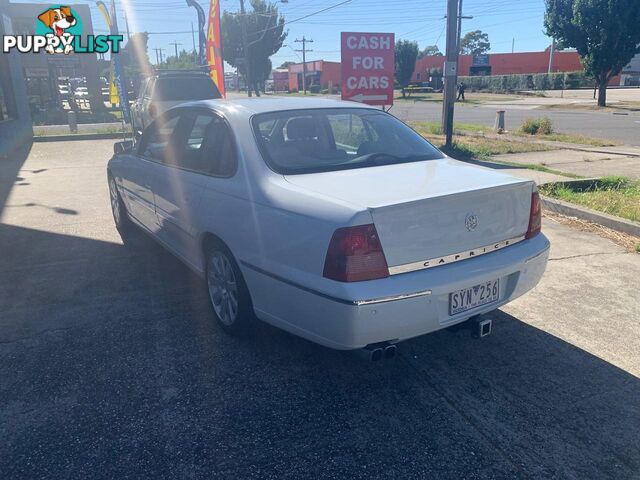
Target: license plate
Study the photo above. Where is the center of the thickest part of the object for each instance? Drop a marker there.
(469, 298)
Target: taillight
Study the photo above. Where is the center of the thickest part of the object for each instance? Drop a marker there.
(153, 111)
(355, 254)
(535, 217)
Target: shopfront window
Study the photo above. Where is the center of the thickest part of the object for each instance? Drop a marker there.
(7, 102)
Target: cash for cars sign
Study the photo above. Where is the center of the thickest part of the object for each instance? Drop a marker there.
(368, 64)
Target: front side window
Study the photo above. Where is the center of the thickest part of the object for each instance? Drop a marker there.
(322, 140)
(159, 140)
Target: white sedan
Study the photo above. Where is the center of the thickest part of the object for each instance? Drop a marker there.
(331, 220)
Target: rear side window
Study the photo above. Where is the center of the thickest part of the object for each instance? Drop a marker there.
(208, 149)
(324, 140)
(174, 89)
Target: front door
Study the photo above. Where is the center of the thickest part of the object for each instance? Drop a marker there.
(157, 143)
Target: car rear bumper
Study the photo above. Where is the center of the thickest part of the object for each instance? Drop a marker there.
(398, 307)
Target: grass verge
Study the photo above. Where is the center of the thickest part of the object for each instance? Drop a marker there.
(477, 147)
(569, 138)
(617, 196)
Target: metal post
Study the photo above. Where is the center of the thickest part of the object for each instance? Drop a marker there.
(193, 37)
(551, 54)
(450, 71)
(126, 21)
(499, 125)
(73, 121)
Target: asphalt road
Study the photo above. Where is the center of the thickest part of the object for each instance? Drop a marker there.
(622, 128)
(111, 365)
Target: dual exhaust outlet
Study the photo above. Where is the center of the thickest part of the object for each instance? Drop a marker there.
(480, 327)
(378, 352)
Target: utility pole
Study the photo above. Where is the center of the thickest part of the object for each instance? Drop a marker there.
(450, 70)
(513, 45)
(245, 47)
(304, 51)
(159, 59)
(175, 44)
(551, 55)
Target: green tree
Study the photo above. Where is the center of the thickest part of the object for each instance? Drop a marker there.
(185, 61)
(430, 51)
(475, 43)
(286, 64)
(406, 55)
(606, 34)
(265, 36)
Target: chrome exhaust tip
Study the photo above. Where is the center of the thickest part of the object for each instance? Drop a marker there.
(481, 326)
(377, 352)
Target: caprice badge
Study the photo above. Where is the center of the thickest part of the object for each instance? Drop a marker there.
(471, 222)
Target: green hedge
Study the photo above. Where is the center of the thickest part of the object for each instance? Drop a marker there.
(537, 81)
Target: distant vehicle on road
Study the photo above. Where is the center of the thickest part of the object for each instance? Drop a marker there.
(422, 87)
(332, 220)
(165, 90)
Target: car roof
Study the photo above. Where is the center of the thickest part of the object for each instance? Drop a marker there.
(251, 106)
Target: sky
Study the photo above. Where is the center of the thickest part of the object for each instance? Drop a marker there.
(509, 23)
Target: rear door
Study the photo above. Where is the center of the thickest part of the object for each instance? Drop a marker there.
(201, 153)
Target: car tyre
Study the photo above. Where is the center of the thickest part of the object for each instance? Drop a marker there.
(228, 293)
(119, 211)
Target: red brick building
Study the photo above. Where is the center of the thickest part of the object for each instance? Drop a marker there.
(501, 64)
(319, 72)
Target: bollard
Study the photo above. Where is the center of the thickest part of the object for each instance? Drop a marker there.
(499, 127)
(73, 122)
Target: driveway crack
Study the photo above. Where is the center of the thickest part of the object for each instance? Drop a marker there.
(587, 255)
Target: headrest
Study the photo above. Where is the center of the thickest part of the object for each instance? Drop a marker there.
(302, 128)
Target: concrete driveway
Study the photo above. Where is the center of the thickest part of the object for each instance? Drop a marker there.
(112, 367)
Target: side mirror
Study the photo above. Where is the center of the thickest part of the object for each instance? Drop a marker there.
(123, 147)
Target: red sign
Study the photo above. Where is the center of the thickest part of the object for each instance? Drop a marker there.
(368, 64)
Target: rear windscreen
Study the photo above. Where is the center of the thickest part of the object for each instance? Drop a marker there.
(172, 89)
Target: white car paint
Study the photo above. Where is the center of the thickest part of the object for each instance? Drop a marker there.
(279, 227)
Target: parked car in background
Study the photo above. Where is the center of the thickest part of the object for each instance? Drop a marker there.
(165, 90)
(331, 220)
(63, 91)
(81, 92)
